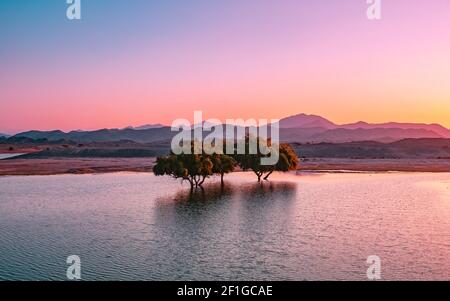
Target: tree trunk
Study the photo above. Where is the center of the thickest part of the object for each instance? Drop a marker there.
(221, 179)
(192, 184)
(258, 174)
(201, 182)
(267, 176)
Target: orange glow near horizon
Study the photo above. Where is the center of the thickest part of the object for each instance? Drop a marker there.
(245, 60)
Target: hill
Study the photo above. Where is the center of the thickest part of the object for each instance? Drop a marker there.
(403, 149)
(300, 128)
(104, 135)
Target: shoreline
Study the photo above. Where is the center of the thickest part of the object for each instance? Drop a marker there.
(59, 166)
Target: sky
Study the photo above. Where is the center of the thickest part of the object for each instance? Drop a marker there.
(146, 61)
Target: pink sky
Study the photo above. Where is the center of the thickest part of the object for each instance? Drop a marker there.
(244, 59)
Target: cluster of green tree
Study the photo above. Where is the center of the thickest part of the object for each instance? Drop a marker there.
(287, 161)
(196, 168)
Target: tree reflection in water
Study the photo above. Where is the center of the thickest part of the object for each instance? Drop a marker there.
(236, 224)
(231, 198)
(215, 192)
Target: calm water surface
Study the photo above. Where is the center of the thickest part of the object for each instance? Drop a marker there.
(298, 227)
(9, 155)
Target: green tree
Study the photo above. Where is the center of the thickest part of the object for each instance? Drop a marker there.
(222, 164)
(287, 161)
(190, 167)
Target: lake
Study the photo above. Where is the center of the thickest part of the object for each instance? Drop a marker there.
(8, 155)
(127, 226)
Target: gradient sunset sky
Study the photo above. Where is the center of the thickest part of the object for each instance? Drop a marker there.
(137, 62)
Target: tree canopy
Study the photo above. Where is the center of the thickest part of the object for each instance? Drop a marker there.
(287, 161)
(222, 164)
(196, 168)
(190, 167)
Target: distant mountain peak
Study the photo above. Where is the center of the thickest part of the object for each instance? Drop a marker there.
(145, 127)
(434, 127)
(298, 128)
(306, 121)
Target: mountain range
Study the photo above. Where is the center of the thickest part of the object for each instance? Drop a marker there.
(146, 127)
(301, 128)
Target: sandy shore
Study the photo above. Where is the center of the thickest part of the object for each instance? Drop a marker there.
(74, 166)
(378, 165)
(104, 165)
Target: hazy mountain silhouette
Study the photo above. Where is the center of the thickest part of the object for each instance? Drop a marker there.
(306, 121)
(437, 128)
(316, 129)
(104, 135)
(382, 135)
(403, 149)
(300, 128)
(145, 127)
